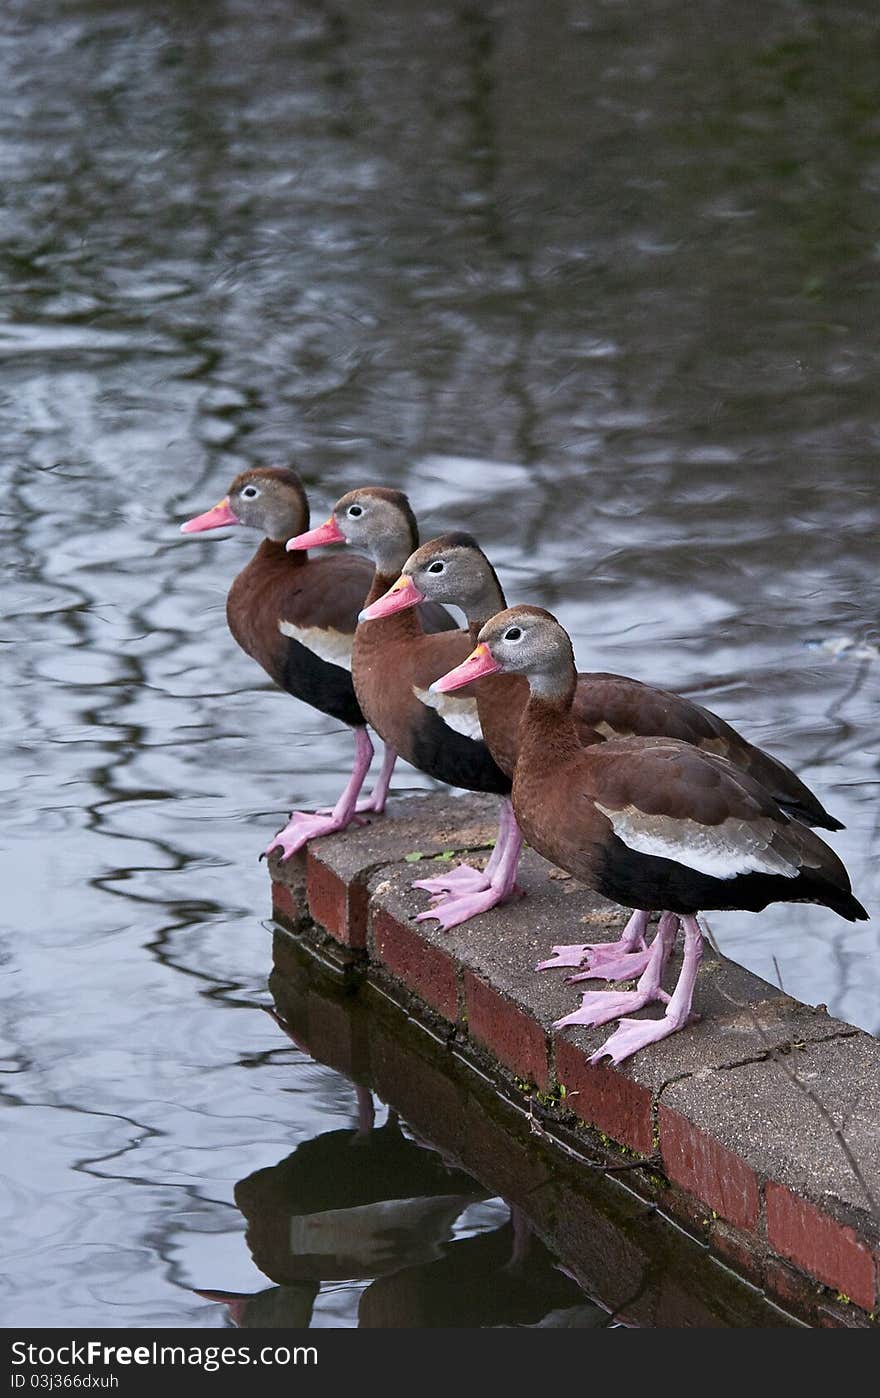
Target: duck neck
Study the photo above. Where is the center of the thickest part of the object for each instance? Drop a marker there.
(547, 729)
(274, 551)
(491, 601)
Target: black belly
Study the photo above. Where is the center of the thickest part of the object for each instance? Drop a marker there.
(318, 682)
(440, 752)
(648, 881)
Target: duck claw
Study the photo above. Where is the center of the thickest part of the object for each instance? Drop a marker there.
(304, 826)
(463, 879)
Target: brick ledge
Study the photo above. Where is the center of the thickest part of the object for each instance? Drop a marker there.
(749, 1162)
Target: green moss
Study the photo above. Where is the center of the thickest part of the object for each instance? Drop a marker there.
(658, 1181)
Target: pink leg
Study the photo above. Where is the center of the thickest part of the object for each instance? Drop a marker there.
(600, 1006)
(522, 1232)
(633, 1034)
(304, 826)
(501, 886)
(464, 878)
(366, 1110)
(606, 960)
(375, 802)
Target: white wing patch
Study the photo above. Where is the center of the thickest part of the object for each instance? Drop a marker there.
(458, 714)
(722, 851)
(322, 641)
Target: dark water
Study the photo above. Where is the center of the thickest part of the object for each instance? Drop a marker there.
(597, 280)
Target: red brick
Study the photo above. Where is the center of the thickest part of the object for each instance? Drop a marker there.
(286, 908)
(709, 1170)
(516, 1040)
(605, 1098)
(338, 907)
(821, 1246)
(425, 969)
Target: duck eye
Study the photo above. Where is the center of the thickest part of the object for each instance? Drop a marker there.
(355, 511)
(250, 492)
(437, 567)
(514, 634)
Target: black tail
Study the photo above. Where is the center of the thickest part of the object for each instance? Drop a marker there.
(852, 910)
(813, 814)
(828, 822)
(846, 905)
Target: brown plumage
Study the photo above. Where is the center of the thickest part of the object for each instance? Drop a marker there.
(394, 660)
(320, 595)
(605, 704)
(393, 664)
(297, 616)
(581, 804)
(648, 822)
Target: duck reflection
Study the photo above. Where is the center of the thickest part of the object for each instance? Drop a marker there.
(349, 1203)
(500, 1278)
(371, 1202)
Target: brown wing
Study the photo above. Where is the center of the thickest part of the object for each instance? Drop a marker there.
(615, 706)
(668, 799)
(327, 592)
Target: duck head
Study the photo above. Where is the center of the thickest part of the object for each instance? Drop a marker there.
(451, 568)
(520, 641)
(374, 519)
(270, 499)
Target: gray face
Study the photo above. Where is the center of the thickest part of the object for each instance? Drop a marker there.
(376, 525)
(458, 575)
(531, 644)
(272, 506)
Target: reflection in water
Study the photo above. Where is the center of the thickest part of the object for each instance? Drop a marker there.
(372, 1204)
(620, 324)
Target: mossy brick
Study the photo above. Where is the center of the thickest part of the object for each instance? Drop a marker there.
(338, 866)
(740, 1249)
(717, 1176)
(768, 1113)
(605, 1098)
(820, 1245)
(423, 967)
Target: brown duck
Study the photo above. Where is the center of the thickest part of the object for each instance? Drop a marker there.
(454, 569)
(648, 822)
(296, 616)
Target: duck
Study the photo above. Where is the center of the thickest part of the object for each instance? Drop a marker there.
(296, 616)
(645, 821)
(454, 569)
(394, 661)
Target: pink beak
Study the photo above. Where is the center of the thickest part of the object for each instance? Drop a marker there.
(399, 596)
(328, 533)
(218, 518)
(480, 662)
(233, 1299)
